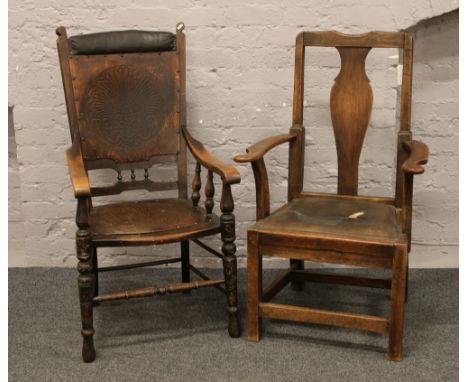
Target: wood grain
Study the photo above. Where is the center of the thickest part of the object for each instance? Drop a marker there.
(259, 149)
(370, 39)
(323, 317)
(228, 173)
(341, 279)
(78, 174)
(418, 155)
(254, 287)
(350, 107)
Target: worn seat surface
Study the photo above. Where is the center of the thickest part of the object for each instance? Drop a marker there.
(164, 220)
(337, 217)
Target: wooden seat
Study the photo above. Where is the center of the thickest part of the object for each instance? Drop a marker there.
(158, 221)
(343, 228)
(126, 106)
(340, 218)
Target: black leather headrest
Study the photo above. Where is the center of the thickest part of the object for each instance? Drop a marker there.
(131, 41)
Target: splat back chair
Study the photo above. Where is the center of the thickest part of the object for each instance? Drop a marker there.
(125, 98)
(342, 228)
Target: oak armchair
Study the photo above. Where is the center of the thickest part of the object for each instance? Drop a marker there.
(342, 228)
(125, 98)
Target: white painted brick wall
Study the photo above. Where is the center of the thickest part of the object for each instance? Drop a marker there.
(15, 213)
(239, 80)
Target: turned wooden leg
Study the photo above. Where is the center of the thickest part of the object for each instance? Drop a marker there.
(96, 274)
(228, 236)
(297, 285)
(230, 274)
(86, 287)
(185, 263)
(397, 313)
(254, 288)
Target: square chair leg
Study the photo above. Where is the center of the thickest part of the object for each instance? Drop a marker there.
(297, 285)
(397, 313)
(254, 288)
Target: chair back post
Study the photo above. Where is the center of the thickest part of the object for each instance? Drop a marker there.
(404, 133)
(182, 112)
(404, 182)
(63, 49)
(297, 146)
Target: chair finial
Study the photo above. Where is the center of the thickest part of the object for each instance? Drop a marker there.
(61, 31)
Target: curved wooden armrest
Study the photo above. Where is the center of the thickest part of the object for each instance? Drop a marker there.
(228, 173)
(78, 174)
(418, 155)
(259, 149)
(255, 154)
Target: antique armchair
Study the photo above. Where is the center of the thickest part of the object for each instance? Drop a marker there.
(125, 99)
(342, 228)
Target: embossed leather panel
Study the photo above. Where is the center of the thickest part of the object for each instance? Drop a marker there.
(127, 105)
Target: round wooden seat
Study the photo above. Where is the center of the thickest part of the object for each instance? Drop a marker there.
(158, 221)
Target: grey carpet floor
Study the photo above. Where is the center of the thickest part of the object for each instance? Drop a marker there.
(183, 337)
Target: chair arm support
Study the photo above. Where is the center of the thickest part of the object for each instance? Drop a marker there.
(262, 188)
(78, 174)
(418, 155)
(255, 154)
(259, 149)
(228, 173)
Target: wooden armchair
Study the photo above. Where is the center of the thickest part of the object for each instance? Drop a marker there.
(125, 98)
(342, 228)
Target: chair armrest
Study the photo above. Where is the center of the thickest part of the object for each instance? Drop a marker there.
(255, 155)
(259, 149)
(228, 173)
(418, 155)
(78, 174)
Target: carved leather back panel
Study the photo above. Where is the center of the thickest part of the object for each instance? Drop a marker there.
(127, 105)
